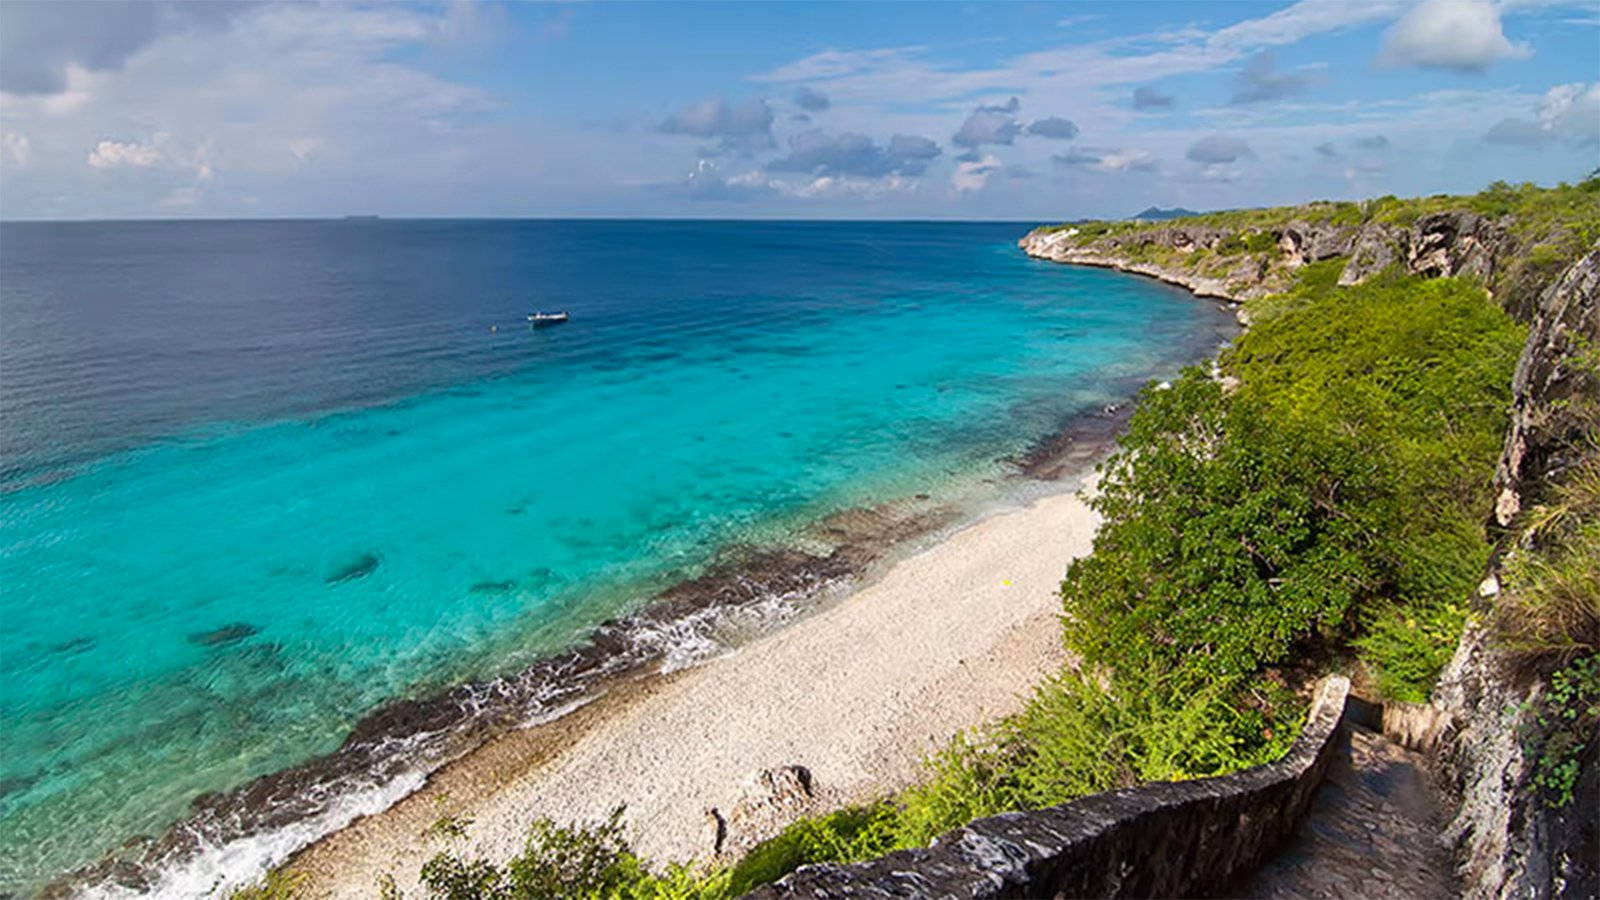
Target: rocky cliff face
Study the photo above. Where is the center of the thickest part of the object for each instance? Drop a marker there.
(1509, 842)
(1220, 262)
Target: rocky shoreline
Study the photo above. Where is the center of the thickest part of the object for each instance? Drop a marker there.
(1437, 245)
(389, 753)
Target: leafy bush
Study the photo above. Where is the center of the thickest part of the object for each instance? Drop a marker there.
(1407, 647)
(1338, 486)
(855, 833)
(1549, 611)
(1568, 716)
(1079, 736)
(591, 860)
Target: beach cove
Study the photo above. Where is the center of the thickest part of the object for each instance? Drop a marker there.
(377, 533)
(857, 694)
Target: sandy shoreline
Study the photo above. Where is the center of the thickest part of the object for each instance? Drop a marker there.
(951, 637)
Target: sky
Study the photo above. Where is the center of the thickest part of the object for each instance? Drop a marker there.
(1020, 111)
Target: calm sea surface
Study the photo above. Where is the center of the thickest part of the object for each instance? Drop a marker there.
(258, 477)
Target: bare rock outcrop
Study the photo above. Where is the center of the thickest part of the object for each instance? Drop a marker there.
(769, 801)
(1376, 247)
(1553, 394)
(1436, 245)
(1455, 243)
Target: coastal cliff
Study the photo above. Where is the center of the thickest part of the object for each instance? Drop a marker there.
(1483, 724)
(1511, 839)
(1241, 264)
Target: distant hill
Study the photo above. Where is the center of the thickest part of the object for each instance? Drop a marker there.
(1157, 214)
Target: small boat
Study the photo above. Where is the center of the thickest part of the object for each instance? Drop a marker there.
(544, 318)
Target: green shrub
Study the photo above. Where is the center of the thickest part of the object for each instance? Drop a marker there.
(592, 860)
(1407, 646)
(1549, 610)
(1080, 736)
(851, 834)
(1568, 717)
(1345, 476)
(279, 885)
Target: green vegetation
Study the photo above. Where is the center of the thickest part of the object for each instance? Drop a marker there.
(274, 886)
(1319, 497)
(585, 861)
(1547, 617)
(1332, 496)
(1567, 718)
(1548, 227)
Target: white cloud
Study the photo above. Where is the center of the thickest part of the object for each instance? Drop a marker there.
(974, 175)
(1125, 161)
(1465, 35)
(116, 155)
(1568, 113)
(15, 148)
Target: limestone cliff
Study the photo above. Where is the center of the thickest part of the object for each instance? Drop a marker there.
(1510, 842)
(1243, 264)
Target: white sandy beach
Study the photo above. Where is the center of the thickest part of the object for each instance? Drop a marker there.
(859, 693)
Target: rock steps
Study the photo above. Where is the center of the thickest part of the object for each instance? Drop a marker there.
(1373, 832)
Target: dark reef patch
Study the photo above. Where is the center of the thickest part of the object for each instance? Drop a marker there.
(73, 647)
(227, 634)
(360, 567)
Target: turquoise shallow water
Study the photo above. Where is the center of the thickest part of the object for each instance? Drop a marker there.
(307, 478)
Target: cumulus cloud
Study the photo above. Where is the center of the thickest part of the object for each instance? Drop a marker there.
(117, 154)
(1217, 149)
(707, 183)
(817, 152)
(1568, 113)
(745, 126)
(1150, 98)
(1464, 35)
(15, 148)
(844, 186)
(1053, 127)
(1124, 160)
(995, 124)
(1261, 81)
(974, 175)
(1127, 161)
(811, 99)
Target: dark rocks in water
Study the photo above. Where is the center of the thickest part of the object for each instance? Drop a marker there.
(227, 634)
(17, 784)
(76, 645)
(493, 587)
(360, 567)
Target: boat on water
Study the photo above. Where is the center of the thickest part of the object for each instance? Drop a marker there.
(544, 318)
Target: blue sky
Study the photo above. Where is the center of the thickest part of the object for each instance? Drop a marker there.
(810, 110)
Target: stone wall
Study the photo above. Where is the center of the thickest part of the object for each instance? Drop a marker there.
(1171, 839)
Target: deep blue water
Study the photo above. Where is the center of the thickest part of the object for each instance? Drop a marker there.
(261, 476)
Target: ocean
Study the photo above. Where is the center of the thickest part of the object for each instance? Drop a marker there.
(261, 479)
